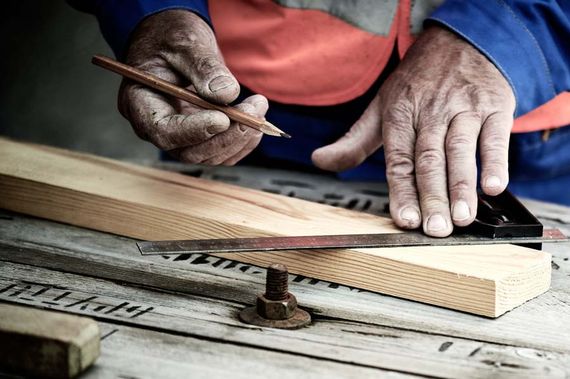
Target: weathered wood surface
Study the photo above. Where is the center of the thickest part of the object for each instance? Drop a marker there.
(131, 353)
(46, 344)
(356, 345)
(62, 247)
(139, 202)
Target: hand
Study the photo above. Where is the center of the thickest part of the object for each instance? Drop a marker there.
(178, 46)
(443, 98)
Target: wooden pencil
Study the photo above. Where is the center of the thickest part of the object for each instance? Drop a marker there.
(186, 95)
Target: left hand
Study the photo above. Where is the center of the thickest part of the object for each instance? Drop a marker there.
(444, 97)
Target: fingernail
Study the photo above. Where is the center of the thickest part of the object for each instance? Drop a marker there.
(460, 211)
(492, 182)
(410, 214)
(216, 128)
(436, 223)
(220, 83)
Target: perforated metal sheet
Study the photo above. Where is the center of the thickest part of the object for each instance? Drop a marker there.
(370, 197)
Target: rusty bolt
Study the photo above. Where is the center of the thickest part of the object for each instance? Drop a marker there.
(276, 282)
(277, 307)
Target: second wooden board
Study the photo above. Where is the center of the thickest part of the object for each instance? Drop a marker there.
(144, 203)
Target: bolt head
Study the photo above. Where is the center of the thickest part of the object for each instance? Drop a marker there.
(276, 310)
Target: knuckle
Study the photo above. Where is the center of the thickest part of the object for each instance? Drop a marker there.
(461, 186)
(481, 96)
(433, 201)
(208, 63)
(494, 138)
(429, 159)
(189, 38)
(468, 117)
(431, 122)
(474, 91)
(459, 144)
(494, 149)
(399, 163)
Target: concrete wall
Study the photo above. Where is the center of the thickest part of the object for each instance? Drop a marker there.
(49, 90)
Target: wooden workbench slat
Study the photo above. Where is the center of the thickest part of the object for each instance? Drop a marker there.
(331, 340)
(130, 352)
(143, 203)
(71, 249)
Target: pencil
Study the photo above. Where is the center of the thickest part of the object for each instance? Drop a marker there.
(181, 93)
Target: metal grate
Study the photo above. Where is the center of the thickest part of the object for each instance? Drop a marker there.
(370, 197)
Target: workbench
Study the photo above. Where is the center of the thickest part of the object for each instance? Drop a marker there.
(176, 316)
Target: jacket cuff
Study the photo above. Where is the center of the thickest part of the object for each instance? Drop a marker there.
(118, 19)
(496, 31)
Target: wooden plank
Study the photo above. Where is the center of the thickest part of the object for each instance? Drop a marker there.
(71, 249)
(362, 345)
(46, 344)
(150, 204)
(134, 353)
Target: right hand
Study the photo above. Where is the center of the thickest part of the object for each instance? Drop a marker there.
(179, 47)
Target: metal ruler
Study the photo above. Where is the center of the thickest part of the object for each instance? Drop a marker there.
(343, 241)
(500, 219)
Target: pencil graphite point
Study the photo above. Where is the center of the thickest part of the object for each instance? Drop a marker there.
(283, 134)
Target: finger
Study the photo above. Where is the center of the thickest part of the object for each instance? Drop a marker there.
(363, 139)
(194, 52)
(431, 177)
(175, 131)
(155, 119)
(261, 106)
(494, 151)
(399, 141)
(141, 105)
(165, 128)
(460, 149)
(230, 143)
(251, 145)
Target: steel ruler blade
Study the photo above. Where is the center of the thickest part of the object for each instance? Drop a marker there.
(343, 241)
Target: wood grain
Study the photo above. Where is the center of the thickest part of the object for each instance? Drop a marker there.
(47, 344)
(199, 319)
(140, 353)
(70, 249)
(139, 202)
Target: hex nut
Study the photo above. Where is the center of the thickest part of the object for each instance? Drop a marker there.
(276, 310)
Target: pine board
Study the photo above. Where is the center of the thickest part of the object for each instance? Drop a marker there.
(144, 203)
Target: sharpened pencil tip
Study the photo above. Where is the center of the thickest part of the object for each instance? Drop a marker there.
(285, 135)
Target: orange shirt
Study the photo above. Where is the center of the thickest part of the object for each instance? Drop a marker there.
(321, 53)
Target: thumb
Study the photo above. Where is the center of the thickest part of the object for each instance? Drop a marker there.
(363, 139)
(198, 58)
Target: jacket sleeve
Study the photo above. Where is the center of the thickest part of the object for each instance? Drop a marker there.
(528, 41)
(118, 18)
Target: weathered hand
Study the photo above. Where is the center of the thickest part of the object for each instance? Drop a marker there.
(178, 46)
(444, 98)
